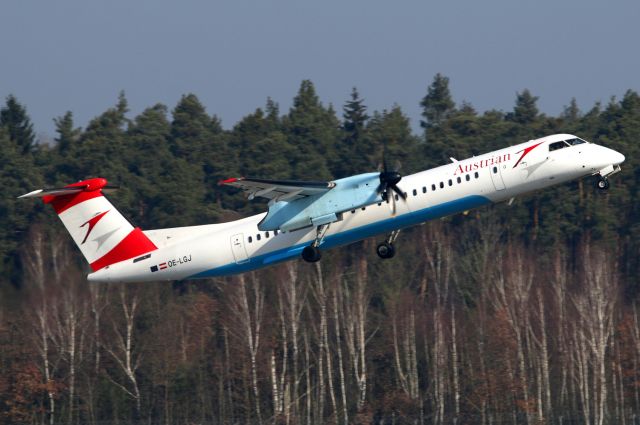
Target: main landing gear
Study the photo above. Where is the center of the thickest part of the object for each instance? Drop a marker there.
(311, 253)
(602, 183)
(386, 249)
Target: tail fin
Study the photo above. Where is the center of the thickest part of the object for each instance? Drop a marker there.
(103, 235)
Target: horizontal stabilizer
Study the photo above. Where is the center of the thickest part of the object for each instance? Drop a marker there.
(52, 192)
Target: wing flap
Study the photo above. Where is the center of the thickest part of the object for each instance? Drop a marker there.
(288, 190)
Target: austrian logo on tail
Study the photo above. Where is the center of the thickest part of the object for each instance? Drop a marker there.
(92, 223)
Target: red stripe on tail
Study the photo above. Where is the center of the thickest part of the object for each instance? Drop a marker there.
(134, 244)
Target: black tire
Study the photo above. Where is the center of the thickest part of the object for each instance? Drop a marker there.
(385, 250)
(602, 184)
(311, 254)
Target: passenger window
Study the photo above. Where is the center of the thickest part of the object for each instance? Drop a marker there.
(450, 182)
(467, 177)
(266, 234)
(495, 170)
(433, 187)
(424, 189)
(441, 185)
(363, 208)
(415, 192)
(397, 198)
(476, 175)
(353, 211)
(459, 180)
(250, 239)
(258, 236)
(275, 232)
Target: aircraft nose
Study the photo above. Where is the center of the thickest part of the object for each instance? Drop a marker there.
(618, 158)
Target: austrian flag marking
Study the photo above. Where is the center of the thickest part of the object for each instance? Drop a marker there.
(160, 266)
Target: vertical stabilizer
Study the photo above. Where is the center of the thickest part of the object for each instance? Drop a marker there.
(103, 235)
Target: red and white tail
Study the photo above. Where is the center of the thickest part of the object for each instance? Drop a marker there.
(103, 235)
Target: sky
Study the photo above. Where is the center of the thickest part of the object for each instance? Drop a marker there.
(78, 55)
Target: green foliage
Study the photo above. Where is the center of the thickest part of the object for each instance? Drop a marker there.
(355, 143)
(437, 105)
(312, 132)
(16, 122)
(525, 112)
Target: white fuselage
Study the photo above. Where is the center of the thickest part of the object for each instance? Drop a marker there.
(238, 246)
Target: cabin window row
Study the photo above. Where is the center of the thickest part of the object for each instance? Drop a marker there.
(259, 236)
(467, 177)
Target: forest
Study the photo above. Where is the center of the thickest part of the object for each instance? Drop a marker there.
(524, 313)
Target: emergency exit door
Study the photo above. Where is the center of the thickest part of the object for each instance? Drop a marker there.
(238, 248)
(496, 176)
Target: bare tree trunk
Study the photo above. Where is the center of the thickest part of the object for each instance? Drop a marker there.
(252, 326)
(337, 319)
(295, 301)
(122, 349)
(454, 361)
(70, 321)
(595, 307)
(42, 298)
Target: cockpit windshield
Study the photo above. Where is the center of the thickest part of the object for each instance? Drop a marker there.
(575, 141)
(565, 144)
(558, 145)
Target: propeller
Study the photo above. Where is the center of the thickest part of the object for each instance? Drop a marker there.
(389, 180)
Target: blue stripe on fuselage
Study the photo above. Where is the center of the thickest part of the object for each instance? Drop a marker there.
(349, 236)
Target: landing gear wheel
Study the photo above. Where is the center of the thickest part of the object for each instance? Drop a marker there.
(311, 254)
(602, 183)
(385, 250)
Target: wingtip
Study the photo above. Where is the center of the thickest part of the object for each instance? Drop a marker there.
(228, 181)
(32, 194)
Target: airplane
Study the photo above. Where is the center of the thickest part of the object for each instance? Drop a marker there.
(306, 218)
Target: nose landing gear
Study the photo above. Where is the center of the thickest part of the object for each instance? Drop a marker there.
(602, 183)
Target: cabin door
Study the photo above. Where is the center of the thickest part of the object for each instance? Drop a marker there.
(496, 176)
(238, 248)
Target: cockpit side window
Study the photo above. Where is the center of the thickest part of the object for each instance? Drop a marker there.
(558, 145)
(575, 141)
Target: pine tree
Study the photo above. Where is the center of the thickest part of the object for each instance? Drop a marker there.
(199, 139)
(437, 105)
(525, 111)
(17, 176)
(312, 130)
(354, 151)
(390, 134)
(67, 134)
(14, 118)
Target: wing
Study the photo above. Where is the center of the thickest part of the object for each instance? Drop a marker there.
(278, 190)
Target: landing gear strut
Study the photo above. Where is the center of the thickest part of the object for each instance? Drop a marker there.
(386, 249)
(311, 253)
(602, 183)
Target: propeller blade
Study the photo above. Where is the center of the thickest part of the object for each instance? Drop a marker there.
(399, 192)
(392, 203)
